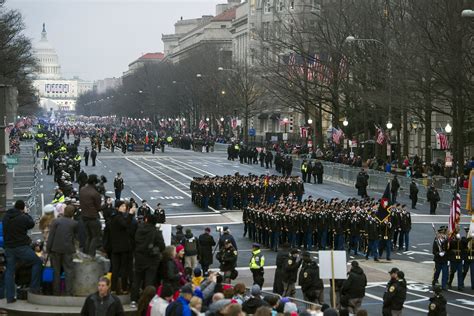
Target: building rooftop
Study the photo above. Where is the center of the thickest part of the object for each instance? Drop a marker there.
(227, 15)
(159, 56)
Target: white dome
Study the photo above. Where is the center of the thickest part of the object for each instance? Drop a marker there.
(48, 61)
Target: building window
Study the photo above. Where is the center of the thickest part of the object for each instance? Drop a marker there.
(267, 6)
(292, 4)
(315, 5)
(281, 5)
(252, 7)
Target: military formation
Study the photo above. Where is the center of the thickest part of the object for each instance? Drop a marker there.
(353, 225)
(453, 256)
(237, 192)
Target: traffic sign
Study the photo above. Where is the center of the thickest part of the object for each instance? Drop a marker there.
(252, 132)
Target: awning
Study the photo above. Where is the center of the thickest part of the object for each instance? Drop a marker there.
(262, 116)
(275, 116)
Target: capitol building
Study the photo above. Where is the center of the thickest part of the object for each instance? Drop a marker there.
(54, 91)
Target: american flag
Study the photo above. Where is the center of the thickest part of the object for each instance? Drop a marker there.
(380, 136)
(202, 124)
(455, 211)
(441, 141)
(303, 132)
(337, 134)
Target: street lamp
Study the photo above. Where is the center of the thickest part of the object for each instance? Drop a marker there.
(220, 68)
(223, 92)
(467, 13)
(448, 128)
(345, 122)
(207, 119)
(222, 119)
(198, 75)
(285, 121)
(389, 125)
(310, 121)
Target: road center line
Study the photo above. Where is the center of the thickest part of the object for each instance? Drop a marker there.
(191, 166)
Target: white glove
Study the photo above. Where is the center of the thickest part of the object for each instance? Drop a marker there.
(441, 254)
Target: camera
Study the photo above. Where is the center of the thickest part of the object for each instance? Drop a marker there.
(219, 229)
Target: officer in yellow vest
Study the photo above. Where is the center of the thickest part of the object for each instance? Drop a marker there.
(58, 196)
(256, 265)
(304, 170)
(45, 161)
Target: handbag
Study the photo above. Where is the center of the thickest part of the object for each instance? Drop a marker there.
(47, 276)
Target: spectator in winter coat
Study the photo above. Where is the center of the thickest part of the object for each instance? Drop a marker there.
(179, 236)
(44, 224)
(149, 244)
(16, 224)
(121, 246)
(226, 236)
(102, 302)
(60, 246)
(206, 246)
(180, 307)
(251, 305)
(159, 303)
(191, 248)
(353, 288)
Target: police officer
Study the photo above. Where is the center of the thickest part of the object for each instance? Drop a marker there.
(257, 262)
(118, 185)
(93, 156)
(440, 248)
(58, 196)
(304, 171)
(290, 273)
(433, 197)
(86, 156)
(227, 257)
(437, 306)
(309, 280)
(395, 294)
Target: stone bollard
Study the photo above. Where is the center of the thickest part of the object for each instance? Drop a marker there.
(87, 272)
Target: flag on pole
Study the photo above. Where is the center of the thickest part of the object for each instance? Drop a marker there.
(337, 134)
(380, 136)
(384, 207)
(234, 123)
(146, 138)
(455, 211)
(114, 138)
(126, 137)
(441, 140)
(303, 132)
(202, 125)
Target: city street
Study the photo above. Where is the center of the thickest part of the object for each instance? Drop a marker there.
(165, 177)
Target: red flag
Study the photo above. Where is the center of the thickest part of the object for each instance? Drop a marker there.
(146, 138)
(454, 212)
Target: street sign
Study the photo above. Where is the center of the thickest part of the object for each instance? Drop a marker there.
(252, 132)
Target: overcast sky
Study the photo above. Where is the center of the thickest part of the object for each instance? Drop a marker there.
(96, 39)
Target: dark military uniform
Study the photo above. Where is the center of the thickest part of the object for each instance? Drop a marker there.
(228, 261)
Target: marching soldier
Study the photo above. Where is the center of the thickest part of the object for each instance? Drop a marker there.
(469, 257)
(256, 264)
(455, 256)
(440, 247)
(160, 214)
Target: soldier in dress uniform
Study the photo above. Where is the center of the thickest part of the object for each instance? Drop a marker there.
(469, 256)
(160, 214)
(440, 248)
(456, 252)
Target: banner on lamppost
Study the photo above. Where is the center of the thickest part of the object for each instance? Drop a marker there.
(389, 149)
(448, 161)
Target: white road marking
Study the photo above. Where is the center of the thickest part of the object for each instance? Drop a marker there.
(139, 198)
(194, 167)
(210, 224)
(429, 261)
(336, 191)
(424, 244)
(411, 258)
(158, 177)
(416, 301)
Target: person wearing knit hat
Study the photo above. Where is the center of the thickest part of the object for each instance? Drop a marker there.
(290, 307)
(197, 277)
(181, 305)
(251, 305)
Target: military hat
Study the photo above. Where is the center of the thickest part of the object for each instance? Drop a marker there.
(394, 270)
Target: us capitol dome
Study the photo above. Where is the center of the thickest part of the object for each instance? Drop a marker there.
(48, 61)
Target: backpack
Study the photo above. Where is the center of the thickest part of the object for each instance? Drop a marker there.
(190, 245)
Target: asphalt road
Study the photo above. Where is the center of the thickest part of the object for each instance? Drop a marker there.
(164, 178)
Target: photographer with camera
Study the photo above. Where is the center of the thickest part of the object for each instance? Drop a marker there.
(225, 237)
(227, 257)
